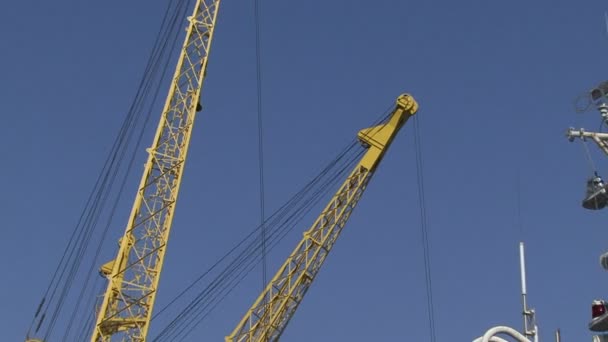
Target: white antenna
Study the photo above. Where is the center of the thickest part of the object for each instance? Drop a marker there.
(530, 328)
(522, 268)
(606, 21)
(530, 333)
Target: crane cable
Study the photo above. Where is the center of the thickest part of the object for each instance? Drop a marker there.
(204, 303)
(278, 224)
(588, 155)
(258, 60)
(171, 36)
(226, 289)
(424, 230)
(162, 50)
(66, 271)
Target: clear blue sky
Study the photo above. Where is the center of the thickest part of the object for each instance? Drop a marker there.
(495, 80)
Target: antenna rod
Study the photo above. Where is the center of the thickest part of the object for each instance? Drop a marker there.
(558, 337)
(522, 267)
(530, 328)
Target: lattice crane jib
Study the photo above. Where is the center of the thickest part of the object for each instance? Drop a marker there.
(133, 277)
(271, 312)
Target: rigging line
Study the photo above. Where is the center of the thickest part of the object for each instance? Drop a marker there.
(101, 198)
(112, 156)
(108, 162)
(90, 305)
(132, 158)
(270, 221)
(258, 59)
(83, 240)
(77, 231)
(248, 254)
(76, 255)
(250, 261)
(338, 176)
(323, 191)
(91, 223)
(200, 304)
(122, 186)
(217, 303)
(87, 325)
(424, 228)
(383, 117)
(173, 325)
(588, 155)
(95, 208)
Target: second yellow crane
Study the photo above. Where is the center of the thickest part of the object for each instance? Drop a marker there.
(267, 318)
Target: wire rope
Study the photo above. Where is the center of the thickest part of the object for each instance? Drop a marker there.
(64, 275)
(202, 305)
(239, 268)
(424, 230)
(275, 217)
(123, 184)
(588, 155)
(258, 60)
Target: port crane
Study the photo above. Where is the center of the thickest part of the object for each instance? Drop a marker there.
(133, 276)
(271, 312)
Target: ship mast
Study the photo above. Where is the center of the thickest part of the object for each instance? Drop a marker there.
(596, 195)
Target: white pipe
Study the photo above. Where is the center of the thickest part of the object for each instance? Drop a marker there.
(487, 337)
(581, 133)
(492, 339)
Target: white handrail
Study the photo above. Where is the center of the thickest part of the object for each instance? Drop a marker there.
(490, 335)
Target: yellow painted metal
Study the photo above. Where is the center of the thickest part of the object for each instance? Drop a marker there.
(267, 318)
(133, 276)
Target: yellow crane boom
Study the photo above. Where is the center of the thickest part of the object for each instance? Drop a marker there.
(133, 275)
(267, 318)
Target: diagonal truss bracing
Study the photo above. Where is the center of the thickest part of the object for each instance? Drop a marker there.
(133, 276)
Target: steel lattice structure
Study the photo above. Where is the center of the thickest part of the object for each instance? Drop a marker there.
(133, 276)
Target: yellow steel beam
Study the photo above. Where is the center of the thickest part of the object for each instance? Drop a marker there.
(126, 310)
(267, 318)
